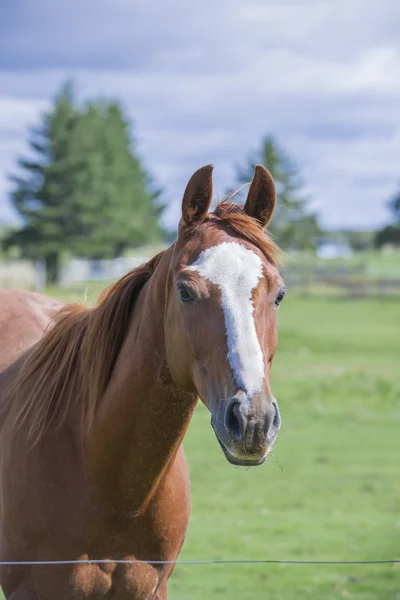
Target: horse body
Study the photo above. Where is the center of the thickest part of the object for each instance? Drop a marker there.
(23, 318)
(125, 498)
(92, 417)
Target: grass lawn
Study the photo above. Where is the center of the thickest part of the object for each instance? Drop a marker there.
(331, 489)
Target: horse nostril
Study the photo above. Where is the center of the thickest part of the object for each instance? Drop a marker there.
(233, 419)
(276, 423)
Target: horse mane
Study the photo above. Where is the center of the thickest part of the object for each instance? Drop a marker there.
(73, 362)
(246, 227)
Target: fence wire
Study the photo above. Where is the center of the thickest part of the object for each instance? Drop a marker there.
(126, 561)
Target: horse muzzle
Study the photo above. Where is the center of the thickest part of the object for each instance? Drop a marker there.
(247, 428)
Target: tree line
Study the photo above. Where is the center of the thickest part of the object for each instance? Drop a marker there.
(85, 191)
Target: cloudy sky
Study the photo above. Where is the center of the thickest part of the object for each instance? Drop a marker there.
(204, 81)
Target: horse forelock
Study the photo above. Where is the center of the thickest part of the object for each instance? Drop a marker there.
(245, 227)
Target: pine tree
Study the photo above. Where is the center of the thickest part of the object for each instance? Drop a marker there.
(40, 193)
(120, 209)
(394, 207)
(292, 225)
(86, 190)
(391, 233)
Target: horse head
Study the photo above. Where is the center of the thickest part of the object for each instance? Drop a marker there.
(223, 293)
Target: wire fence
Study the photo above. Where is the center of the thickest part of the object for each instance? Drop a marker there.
(126, 561)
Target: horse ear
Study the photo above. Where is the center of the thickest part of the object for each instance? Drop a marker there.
(198, 195)
(260, 201)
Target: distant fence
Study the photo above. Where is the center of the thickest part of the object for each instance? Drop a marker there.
(98, 270)
(31, 275)
(18, 274)
(343, 280)
(321, 278)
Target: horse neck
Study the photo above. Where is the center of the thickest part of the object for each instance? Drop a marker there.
(143, 417)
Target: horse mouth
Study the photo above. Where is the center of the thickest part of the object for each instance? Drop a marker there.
(238, 462)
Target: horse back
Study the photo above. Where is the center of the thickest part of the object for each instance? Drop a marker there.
(24, 316)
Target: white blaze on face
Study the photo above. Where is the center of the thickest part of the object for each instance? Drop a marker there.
(236, 270)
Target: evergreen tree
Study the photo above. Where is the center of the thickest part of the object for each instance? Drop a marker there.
(394, 206)
(391, 233)
(86, 190)
(292, 225)
(121, 210)
(41, 192)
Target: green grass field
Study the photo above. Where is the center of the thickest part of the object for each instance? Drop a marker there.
(331, 489)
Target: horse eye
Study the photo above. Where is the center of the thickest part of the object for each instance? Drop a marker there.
(185, 295)
(280, 297)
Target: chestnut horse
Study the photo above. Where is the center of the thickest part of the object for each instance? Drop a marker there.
(92, 416)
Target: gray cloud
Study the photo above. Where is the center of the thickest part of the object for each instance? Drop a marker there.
(206, 83)
(124, 34)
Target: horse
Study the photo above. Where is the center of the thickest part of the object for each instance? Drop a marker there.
(95, 402)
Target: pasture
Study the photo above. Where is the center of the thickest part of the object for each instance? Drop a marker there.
(331, 489)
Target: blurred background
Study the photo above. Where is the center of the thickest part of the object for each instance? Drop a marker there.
(106, 109)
